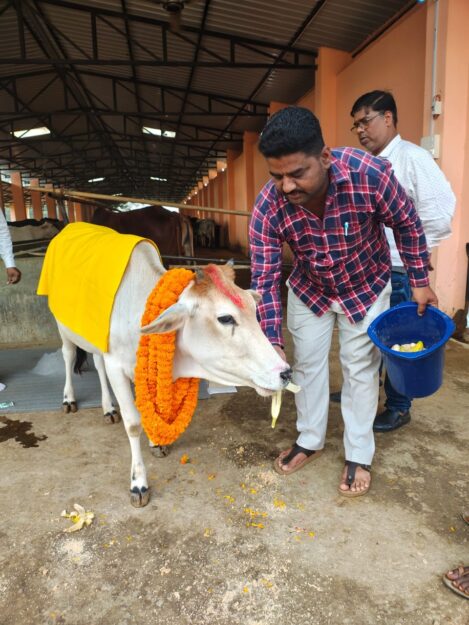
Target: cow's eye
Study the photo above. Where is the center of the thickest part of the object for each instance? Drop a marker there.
(227, 320)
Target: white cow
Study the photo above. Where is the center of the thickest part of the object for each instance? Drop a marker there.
(216, 340)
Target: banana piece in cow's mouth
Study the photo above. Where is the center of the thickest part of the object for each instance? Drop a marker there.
(277, 401)
(275, 408)
(294, 388)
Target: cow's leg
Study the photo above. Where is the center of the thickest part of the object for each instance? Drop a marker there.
(111, 415)
(139, 491)
(69, 353)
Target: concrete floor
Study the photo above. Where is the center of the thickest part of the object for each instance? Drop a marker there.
(225, 540)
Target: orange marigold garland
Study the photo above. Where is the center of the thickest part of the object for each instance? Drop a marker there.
(166, 407)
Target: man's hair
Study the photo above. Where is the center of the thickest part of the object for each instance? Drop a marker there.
(292, 129)
(380, 101)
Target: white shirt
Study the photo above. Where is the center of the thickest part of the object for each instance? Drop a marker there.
(6, 247)
(426, 185)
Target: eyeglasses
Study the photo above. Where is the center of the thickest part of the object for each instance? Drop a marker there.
(363, 123)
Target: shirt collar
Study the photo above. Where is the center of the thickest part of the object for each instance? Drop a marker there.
(387, 151)
(338, 170)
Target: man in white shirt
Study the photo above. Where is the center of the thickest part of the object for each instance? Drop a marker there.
(6, 252)
(375, 122)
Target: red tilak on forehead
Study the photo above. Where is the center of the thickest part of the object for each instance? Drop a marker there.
(217, 280)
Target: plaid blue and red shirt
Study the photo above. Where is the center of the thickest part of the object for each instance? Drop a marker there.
(342, 257)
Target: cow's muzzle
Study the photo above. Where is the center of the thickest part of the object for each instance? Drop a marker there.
(286, 375)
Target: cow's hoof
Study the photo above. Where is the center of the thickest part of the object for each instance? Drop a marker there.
(69, 406)
(139, 497)
(112, 417)
(160, 451)
(73, 406)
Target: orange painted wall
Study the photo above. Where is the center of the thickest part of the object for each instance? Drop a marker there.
(395, 62)
(452, 84)
(261, 173)
(308, 100)
(240, 232)
(401, 61)
(323, 100)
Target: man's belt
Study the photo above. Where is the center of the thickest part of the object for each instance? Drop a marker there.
(397, 269)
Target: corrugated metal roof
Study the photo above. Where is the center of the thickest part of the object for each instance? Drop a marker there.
(97, 71)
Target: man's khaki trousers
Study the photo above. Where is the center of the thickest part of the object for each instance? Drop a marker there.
(360, 360)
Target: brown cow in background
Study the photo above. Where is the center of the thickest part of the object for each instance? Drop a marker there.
(171, 231)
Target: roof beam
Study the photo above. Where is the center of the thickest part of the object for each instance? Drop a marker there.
(42, 31)
(60, 63)
(187, 29)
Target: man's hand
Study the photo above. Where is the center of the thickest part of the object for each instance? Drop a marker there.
(424, 295)
(13, 275)
(280, 351)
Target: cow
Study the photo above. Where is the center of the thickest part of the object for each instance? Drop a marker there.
(34, 229)
(206, 233)
(218, 338)
(169, 230)
(187, 236)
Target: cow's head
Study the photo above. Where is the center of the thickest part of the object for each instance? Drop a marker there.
(219, 338)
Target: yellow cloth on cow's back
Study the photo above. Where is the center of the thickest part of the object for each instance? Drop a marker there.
(82, 271)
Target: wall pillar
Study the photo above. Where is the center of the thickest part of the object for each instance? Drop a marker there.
(18, 211)
(330, 64)
(70, 208)
(231, 156)
(78, 211)
(219, 202)
(250, 140)
(36, 200)
(2, 199)
(51, 204)
(274, 107)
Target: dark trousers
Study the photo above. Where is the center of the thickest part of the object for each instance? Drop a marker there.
(401, 292)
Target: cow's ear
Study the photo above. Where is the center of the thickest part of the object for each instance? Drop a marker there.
(255, 295)
(170, 320)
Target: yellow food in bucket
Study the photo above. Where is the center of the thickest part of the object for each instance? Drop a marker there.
(409, 347)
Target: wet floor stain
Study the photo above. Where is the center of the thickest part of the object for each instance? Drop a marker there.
(463, 386)
(19, 431)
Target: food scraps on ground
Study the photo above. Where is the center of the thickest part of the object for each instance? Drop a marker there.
(79, 518)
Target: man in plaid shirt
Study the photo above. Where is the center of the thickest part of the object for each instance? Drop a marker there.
(330, 207)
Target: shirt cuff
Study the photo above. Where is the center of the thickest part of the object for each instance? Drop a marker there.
(9, 261)
(418, 278)
(274, 335)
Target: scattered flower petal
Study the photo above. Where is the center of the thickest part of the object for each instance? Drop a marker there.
(254, 513)
(266, 583)
(258, 525)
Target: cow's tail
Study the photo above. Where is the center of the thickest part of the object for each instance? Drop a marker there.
(80, 360)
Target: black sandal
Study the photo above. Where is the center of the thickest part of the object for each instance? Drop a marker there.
(351, 470)
(311, 454)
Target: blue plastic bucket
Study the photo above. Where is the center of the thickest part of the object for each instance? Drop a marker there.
(413, 374)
